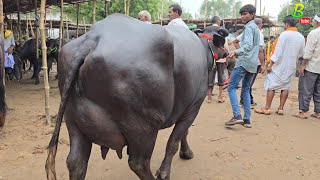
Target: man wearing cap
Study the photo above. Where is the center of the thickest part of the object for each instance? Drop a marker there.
(144, 16)
(175, 12)
(309, 81)
(245, 67)
(9, 44)
(288, 49)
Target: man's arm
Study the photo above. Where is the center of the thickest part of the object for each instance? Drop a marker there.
(247, 43)
(308, 51)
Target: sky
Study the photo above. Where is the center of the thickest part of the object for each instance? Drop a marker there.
(272, 7)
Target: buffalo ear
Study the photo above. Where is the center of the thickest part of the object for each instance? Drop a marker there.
(197, 31)
(223, 32)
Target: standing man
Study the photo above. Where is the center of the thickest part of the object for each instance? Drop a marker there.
(245, 67)
(144, 16)
(218, 71)
(288, 50)
(261, 64)
(175, 12)
(309, 82)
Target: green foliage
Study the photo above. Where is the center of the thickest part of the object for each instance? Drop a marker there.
(222, 8)
(312, 7)
(117, 6)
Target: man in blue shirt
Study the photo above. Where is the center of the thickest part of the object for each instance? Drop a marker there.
(245, 67)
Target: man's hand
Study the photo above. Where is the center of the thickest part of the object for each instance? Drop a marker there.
(269, 68)
(263, 69)
(302, 68)
(10, 50)
(231, 54)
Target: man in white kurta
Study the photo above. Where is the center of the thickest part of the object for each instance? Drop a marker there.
(309, 81)
(289, 48)
(175, 12)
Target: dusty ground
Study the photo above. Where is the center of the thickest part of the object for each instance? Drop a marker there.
(275, 148)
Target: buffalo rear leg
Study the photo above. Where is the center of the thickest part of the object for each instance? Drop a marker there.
(179, 132)
(80, 149)
(185, 151)
(140, 151)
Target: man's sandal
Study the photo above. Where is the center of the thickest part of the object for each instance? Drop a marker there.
(280, 112)
(263, 111)
(315, 115)
(300, 115)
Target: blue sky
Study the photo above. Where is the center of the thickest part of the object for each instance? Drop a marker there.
(271, 6)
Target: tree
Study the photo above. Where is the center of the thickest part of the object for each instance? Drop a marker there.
(222, 8)
(312, 7)
(117, 6)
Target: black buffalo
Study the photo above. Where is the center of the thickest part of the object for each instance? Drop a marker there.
(28, 52)
(121, 83)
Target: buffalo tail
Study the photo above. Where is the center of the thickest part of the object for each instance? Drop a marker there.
(77, 60)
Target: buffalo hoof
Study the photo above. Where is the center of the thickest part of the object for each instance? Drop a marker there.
(163, 175)
(186, 154)
(36, 82)
(2, 119)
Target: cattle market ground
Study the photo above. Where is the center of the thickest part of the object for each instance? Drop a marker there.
(277, 147)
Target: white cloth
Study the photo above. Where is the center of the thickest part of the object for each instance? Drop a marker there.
(312, 51)
(288, 50)
(9, 61)
(9, 42)
(178, 22)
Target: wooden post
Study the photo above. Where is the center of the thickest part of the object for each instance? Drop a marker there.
(106, 7)
(27, 27)
(2, 72)
(128, 7)
(19, 22)
(44, 60)
(37, 29)
(61, 24)
(85, 27)
(125, 7)
(94, 11)
(1, 19)
(260, 7)
(67, 27)
(206, 14)
(162, 6)
(78, 14)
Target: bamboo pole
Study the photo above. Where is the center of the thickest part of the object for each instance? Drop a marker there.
(27, 28)
(260, 7)
(19, 22)
(106, 7)
(11, 26)
(37, 29)
(61, 24)
(162, 9)
(206, 14)
(125, 7)
(128, 7)
(67, 27)
(85, 27)
(78, 14)
(44, 60)
(94, 11)
(2, 72)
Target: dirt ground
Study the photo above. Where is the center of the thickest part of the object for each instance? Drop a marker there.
(277, 147)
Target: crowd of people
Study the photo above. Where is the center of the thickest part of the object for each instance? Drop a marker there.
(277, 59)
